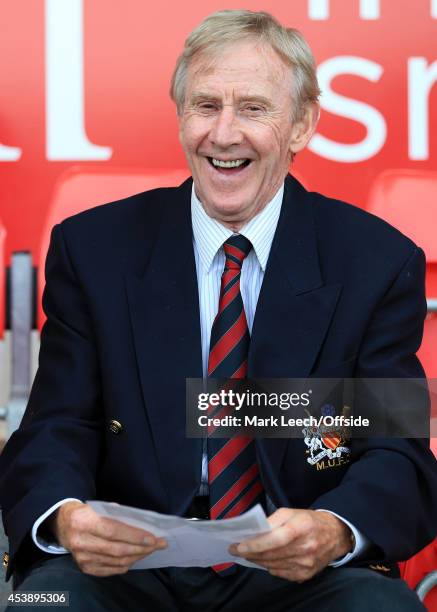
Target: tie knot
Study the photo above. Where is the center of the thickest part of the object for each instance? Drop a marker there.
(236, 250)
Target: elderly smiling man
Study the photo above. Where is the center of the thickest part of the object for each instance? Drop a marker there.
(143, 294)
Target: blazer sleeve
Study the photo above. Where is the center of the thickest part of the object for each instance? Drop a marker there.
(55, 453)
(389, 491)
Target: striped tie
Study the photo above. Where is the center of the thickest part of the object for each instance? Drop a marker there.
(233, 473)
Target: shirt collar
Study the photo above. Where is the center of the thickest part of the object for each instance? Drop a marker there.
(209, 234)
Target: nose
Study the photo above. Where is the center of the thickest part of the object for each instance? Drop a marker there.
(226, 131)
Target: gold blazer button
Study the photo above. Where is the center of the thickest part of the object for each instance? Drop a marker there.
(380, 568)
(5, 559)
(115, 426)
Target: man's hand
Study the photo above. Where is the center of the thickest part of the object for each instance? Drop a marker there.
(101, 546)
(301, 543)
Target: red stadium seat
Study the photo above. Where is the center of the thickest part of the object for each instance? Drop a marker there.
(82, 187)
(408, 200)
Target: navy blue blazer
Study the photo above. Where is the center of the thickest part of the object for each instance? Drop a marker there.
(343, 295)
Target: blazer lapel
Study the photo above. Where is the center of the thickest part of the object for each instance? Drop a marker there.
(164, 310)
(293, 313)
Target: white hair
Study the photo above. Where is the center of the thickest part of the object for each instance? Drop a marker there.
(227, 27)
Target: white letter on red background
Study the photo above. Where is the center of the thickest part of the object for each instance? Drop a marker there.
(319, 9)
(352, 109)
(421, 78)
(66, 136)
(369, 9)
(9, 154)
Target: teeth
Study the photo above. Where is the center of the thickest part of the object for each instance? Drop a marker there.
(234, 163)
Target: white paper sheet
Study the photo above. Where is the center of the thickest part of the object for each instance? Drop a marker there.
(190, 543)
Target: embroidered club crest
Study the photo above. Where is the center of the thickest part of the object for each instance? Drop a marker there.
(326, 447)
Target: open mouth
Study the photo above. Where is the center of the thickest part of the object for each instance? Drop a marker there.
(230, 166)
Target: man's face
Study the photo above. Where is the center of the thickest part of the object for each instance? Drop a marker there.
(238, 109)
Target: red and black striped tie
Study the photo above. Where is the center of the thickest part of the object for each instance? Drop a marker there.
(233, 473)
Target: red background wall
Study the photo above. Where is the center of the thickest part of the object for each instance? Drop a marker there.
(130, 47)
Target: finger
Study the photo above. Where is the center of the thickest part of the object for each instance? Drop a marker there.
(277, 538)
(283, 552)
(87, 559)
(278, 564)
(277, 519)
(83, 519)
(303, 561)
(293, 526)
(300, 546)
(100, 546)
(111, 529)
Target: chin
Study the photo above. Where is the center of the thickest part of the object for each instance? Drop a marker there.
(228, 210)
(228, 201)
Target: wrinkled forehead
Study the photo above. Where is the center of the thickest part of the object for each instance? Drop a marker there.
(245, 63)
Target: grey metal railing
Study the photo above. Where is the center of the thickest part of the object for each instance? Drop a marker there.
(21, 301)
(431, 304)
(425, 585)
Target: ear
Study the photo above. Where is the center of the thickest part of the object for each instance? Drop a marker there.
(305, 128)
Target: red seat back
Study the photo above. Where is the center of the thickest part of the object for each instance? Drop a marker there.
(408, 200)
(84, 187)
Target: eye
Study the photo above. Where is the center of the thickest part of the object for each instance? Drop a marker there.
(206, 106)
(253, 108)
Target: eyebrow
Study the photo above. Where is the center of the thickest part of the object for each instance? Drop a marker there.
(197, 96)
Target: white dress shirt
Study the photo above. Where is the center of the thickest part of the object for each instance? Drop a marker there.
(208, 238)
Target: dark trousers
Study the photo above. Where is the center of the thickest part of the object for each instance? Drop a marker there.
(192, 589)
